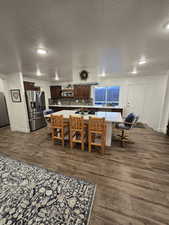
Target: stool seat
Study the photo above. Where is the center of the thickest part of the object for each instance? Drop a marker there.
(122, 126)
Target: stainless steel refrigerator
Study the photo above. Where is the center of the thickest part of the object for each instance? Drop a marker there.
(4, 119)
(35, 105)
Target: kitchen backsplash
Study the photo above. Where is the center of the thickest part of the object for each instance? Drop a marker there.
(70, 101)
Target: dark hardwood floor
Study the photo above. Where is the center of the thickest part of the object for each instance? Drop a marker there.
(132, 182)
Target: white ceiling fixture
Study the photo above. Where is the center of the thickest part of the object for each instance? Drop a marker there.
(134, 71)
(56, 76)
(103, 74)
(38, 73)
(142, 61)
(167, 26)
(41, 51)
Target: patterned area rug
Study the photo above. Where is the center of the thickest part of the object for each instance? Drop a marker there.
(32, 195)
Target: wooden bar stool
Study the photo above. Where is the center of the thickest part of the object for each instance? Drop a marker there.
(59, 128)
(97, 133)
(77, 131)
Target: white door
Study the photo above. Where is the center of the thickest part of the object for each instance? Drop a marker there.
(136, 100)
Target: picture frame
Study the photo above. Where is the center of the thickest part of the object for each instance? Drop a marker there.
(16, 95)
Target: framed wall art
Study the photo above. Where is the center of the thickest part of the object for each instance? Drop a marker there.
(15, 95)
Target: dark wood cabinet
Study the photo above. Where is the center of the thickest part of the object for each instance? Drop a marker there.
(55, 91)
(82, 91)
(30, 86)
(79, 92)
(86, 91)
(76, 91)
(36, 88)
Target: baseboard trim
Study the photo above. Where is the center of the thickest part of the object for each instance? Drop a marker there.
(19, 129)
(162, 130)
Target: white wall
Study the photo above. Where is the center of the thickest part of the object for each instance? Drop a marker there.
(145, 95)
(18, 115)
(45, 86)
(148, 97)
(2, 78)
(165, 113)
(1, 85)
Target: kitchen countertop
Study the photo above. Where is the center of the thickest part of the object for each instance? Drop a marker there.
(109, 116)
(87, 106)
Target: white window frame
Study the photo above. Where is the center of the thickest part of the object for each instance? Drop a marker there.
(106, 101)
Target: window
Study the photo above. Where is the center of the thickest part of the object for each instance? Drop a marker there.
(107, 95)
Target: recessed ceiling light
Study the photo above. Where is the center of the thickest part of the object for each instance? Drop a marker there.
(103, 74)
(167, 26)
(56, 76)
(142, 61)
(41, 51)
(38, 73)
(134, 71)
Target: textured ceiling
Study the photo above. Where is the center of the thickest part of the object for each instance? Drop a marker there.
(109, 35)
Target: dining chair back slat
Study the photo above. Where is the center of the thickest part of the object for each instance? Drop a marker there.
(77, 131)
(76, 123)
(97, 130)
(59, 128)
(57, 121)
(96, 124)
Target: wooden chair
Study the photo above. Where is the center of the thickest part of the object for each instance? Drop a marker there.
(59, 128)
(77, 131)
(97, 130)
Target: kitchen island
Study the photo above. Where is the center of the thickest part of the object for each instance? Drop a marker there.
(110, 118)
(94, 108)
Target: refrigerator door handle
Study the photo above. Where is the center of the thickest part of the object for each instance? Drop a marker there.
(33, 105)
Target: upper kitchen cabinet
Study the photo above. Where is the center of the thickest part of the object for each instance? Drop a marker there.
(30, 86)
(55, 91)
(78, 92)
(82, 91)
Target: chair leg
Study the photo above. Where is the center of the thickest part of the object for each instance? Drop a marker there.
(63, 140)
(122, 138)
(102, 149)
(89, 143)
(122, 143)
(71, 142)
(90, 148)
(82, 146)
(53, 134)
(82, 139)
(102, 146)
